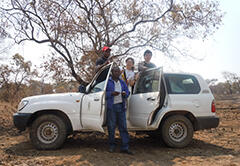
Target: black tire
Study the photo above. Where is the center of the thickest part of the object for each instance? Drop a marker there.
(48, 132)
(177, 131)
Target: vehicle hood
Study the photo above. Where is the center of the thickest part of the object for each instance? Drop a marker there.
(53, 97)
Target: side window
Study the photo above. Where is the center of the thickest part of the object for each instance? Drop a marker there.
(99, 83)
(98, 87)
(148, 82)
(182, 84)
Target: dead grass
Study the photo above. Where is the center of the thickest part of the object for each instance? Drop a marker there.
(8, 106)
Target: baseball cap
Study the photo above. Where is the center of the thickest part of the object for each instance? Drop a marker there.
(105, 48)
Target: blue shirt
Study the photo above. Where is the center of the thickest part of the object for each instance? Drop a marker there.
(111, 88)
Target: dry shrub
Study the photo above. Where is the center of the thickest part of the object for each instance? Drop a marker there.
(6, 112)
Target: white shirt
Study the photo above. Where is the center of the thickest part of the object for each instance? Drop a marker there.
(129, 74)
(118, 88)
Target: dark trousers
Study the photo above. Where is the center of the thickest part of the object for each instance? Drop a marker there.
(117, 116)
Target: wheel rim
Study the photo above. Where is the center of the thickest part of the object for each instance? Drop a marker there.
(178, 131)
(47, 132)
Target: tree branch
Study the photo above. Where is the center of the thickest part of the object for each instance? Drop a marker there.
(142, 22)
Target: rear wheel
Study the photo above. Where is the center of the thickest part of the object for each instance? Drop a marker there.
(48, 132)
(177, 131)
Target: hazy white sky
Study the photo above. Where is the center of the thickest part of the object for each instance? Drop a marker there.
(220, 51)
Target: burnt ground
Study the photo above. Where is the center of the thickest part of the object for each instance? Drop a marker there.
(220, 146)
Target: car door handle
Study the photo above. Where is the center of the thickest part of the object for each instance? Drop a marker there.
(96, 99)
(151, 98)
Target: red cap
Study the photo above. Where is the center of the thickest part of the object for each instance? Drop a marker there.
(105, 48)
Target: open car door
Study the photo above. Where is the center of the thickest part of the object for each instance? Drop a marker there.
(144, 102)
(93, 105)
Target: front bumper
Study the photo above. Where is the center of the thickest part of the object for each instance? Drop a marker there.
(20, 120)
(207, 122)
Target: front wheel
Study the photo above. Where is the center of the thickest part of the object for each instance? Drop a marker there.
(48, 132)
(177, 131)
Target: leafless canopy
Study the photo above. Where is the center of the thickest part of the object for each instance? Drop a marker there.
(78, 29)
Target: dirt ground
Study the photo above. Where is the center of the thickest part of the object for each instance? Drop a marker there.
(215, 147)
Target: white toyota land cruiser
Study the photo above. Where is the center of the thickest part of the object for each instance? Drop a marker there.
(172, 105)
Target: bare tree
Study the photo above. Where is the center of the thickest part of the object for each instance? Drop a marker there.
(77, 29)
(232, 81)
(4, 47)
(15, 75)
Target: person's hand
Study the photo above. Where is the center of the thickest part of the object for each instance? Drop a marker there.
(115, 93)
(144, 68)
(123, 93)
(137, 76)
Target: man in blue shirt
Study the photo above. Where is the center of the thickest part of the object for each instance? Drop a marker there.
(116, 95)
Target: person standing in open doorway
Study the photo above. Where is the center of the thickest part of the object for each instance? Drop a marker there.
(128, 74)
(146, 64)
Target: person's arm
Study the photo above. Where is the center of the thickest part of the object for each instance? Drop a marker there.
(141, 66)
(137, 75)
(125, 91)
(131, 80)
(100, 64)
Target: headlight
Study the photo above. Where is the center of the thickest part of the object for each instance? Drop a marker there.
(22, 104)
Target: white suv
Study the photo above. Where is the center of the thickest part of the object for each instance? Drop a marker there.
(170, 104)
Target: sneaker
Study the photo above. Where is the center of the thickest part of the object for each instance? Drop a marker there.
(127, 152)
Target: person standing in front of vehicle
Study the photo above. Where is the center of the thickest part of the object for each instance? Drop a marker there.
(116, 94)
(146, 64)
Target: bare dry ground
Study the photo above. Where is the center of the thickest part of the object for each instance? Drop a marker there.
(215, 147)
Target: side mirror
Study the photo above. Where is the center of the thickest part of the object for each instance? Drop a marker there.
(82, 89)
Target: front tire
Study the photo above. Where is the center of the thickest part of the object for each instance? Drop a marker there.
(177, 131)
(48, 132)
